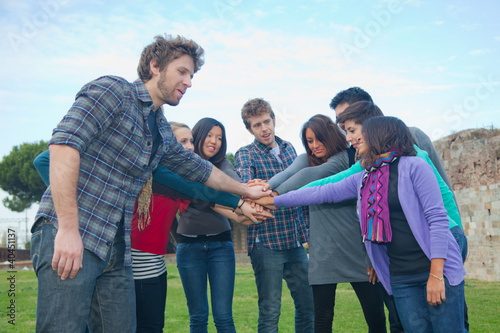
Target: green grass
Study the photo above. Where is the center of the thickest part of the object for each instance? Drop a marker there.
(482, 298)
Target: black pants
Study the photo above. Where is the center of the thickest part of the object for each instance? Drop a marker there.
(394, 322)
(369, 297)
(150, 296)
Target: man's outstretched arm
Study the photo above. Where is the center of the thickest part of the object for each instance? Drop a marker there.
(220, 181)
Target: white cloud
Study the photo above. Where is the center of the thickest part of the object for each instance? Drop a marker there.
(298, 71)
(471, 27)
(415, 3)
(260, 13)
(454, 10)
(279, 9)
(478, 52)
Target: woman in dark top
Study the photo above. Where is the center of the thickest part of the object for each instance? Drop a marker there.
(336, 250)
(205, 248)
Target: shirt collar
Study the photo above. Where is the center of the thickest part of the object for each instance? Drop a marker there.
(143, 95)
(264, 148)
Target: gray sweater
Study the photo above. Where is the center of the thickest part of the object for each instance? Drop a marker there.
(200, 219)
(336, 250)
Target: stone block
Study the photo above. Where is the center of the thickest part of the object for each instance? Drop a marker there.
(475, 173)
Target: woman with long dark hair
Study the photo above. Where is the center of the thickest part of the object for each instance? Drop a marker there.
(404, 225)
(336, 251)
(205, 248)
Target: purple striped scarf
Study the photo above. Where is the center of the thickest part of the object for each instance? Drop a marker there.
(374, 207)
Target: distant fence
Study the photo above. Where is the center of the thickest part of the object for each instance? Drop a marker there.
(16, 255)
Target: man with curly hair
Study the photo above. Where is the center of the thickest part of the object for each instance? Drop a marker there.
(101, 154)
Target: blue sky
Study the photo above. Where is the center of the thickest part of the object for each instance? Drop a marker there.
(434, 64)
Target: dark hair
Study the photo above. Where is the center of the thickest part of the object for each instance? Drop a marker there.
(255, 107)
(350, 96)
(327, 133)
(384, 134)
(359, 112)
(164, 50)
(200, 132)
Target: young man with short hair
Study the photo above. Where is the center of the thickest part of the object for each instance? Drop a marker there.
(275, 245)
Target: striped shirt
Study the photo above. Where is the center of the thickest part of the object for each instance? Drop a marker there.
(107, 124)
(147, 265)
(289, 227)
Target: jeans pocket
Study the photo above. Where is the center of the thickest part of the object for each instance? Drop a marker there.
(36, 245)
(42, 242)
(227, 244)
(182, 247)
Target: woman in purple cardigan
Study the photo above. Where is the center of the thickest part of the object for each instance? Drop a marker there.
(404, 225)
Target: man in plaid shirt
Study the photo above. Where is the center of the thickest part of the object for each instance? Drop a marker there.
(101, 154)
(275, 245)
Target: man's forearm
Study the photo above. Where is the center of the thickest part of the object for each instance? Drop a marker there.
(64, 171)
(220, 181)
(68, 245)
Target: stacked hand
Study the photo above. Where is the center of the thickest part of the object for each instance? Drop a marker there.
(266, 201)
(249, 210)
(257, 188)
(256, 207)
(250, 213)
(259, 182)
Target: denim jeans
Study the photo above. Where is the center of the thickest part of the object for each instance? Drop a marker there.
(459, 236)
(150, 297)
(270, 268)
(214, 260)
(464, 248)
(418, 316)
(102, 293)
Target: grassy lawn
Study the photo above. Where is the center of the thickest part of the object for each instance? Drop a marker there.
(483, 299)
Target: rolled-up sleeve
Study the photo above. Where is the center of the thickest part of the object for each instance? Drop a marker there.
(93, 111)
(244, 167)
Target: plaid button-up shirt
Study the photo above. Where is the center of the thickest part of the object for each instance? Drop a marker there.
(289, 227)
(107, 124)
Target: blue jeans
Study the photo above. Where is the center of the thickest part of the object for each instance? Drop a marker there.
(418, 316)
(270, 268)
(150, 297)
(213, 259)
(462, 243)
(102, 293)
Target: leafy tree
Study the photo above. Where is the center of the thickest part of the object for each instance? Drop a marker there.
(230, 157)
(19, 178)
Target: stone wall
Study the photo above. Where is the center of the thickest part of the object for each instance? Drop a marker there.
(472, 161)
